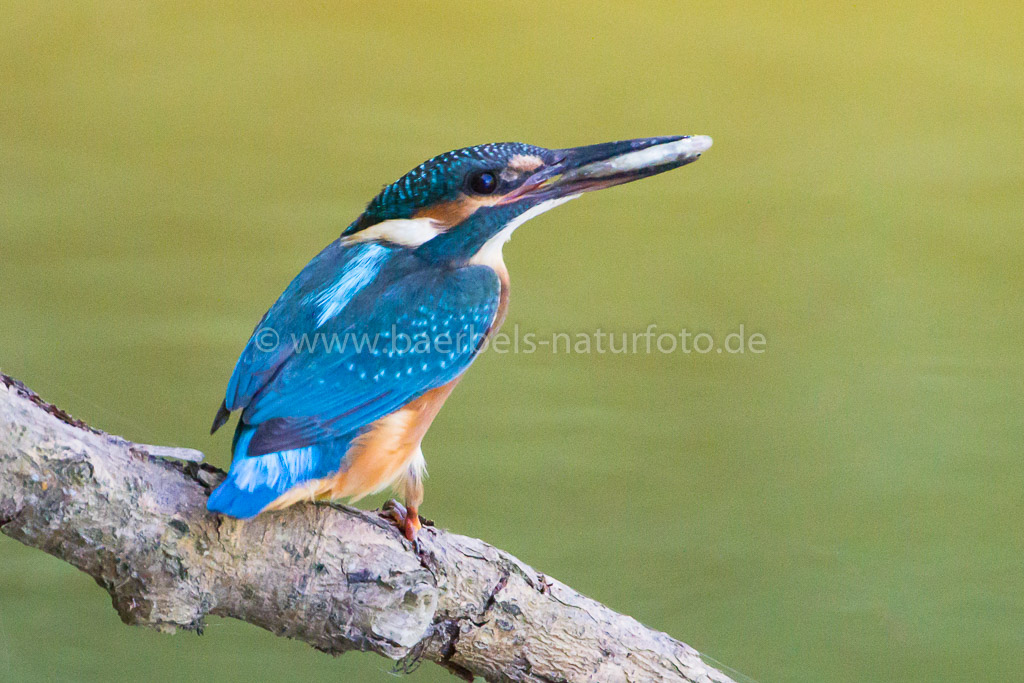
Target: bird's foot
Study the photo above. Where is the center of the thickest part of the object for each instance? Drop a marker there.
(407, 520)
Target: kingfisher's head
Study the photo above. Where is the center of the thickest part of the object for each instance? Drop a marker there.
(463, 205)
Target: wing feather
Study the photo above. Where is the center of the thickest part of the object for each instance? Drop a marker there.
(354, 348)
(327, 283)
(421, 333)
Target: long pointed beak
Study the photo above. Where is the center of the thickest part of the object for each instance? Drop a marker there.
(594, 167)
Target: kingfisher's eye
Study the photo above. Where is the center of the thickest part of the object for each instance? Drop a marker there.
(484, 182)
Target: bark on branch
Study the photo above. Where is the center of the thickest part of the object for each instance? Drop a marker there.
(337, 578)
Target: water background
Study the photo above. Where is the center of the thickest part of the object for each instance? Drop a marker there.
(845, 506)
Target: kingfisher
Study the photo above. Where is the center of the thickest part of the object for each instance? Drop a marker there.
(344, 374)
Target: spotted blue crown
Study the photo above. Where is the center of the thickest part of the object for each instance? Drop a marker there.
(436, 180)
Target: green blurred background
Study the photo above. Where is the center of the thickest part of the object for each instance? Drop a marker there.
(846, 506)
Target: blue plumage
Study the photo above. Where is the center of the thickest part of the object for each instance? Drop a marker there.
(296, 312)
(358, 334)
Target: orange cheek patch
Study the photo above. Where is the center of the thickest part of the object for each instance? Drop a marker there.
(452, 213)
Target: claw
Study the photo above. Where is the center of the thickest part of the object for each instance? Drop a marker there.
(394, 511)
(407, 520)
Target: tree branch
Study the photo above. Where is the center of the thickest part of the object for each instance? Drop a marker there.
(337, 578)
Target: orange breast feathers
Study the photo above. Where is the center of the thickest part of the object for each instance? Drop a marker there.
(380, 456)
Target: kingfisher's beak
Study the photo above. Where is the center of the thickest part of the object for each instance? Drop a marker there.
(594, 167)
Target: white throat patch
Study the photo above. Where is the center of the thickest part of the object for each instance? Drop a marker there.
(490, 252)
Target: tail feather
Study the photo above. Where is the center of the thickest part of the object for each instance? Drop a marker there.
(256, 481)
(222, 416)
(229, 499)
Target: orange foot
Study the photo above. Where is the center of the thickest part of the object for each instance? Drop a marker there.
(408, 521)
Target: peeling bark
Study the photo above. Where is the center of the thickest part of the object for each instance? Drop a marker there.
(337, 578)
